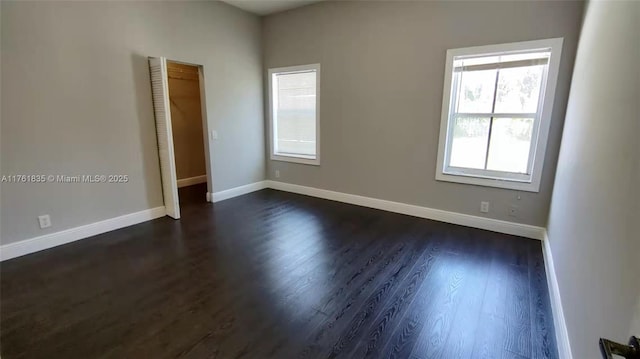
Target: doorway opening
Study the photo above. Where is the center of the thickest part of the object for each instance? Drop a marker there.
(181, 123)
(188, 132)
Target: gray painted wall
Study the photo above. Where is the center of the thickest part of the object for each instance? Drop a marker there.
(594, 210)
(76, 99)
(635, 324)
(382, 78)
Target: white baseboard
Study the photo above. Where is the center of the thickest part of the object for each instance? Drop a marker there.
(17, 249)
(518, 229)
(562, 335)
(184, 182)
(27, 246)
(236, 191)
(32, 245)
(24, 247)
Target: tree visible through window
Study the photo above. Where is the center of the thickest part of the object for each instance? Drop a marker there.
(495, 108)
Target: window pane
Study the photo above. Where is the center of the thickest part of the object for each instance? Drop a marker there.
(469, 145)
(476, 91)
(519, 89)
(510, 144)
(296, 113)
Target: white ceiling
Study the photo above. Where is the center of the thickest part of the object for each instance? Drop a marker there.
(266, 7)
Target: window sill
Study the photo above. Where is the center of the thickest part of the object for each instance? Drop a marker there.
(488, 182)
(296, 159)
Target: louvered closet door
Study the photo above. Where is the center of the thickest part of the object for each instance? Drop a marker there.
(160, 90)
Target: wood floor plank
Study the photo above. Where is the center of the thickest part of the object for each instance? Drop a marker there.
(465, 323)
(543, 339)
(490, 334)
(278, 275)
(390, 315)
(401, 339)
(375, 302)
(518, 319)
(343, 306)
(432, 341)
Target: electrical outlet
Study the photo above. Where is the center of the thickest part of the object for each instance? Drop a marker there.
(512, 211)
(277, 173)
(44, 221)
(484, 207)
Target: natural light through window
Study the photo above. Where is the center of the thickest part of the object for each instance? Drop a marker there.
(496, 113)
(294, 95)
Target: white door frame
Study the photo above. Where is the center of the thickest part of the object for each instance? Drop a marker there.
(170, 191)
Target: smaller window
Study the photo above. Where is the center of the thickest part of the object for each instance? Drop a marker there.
(496, 113)
(294, 98)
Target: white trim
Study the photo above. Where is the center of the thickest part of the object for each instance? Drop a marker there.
(205, 129)
(296, 159)
(236, 191)
(166, 151)
(293, 158)
(27, 246)
(486, 182)
(24, 247)
(178, 183)
(518, 229)
(189, 181)
(541, 127)
(562, 334)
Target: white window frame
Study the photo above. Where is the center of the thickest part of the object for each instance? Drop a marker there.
(302, 159)
(525, 182)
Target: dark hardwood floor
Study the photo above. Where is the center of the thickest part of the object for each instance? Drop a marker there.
(278, 275)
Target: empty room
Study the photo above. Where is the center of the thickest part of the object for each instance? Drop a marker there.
(320, 179)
